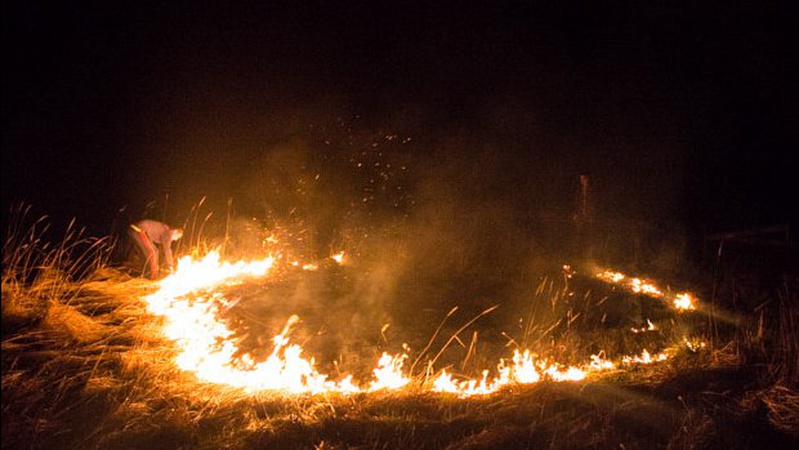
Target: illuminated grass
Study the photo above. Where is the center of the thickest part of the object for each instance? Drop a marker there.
(84, 366)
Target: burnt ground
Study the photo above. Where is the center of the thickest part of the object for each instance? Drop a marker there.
(84, 366)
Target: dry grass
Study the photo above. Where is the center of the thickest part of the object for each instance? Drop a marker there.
(84, 366)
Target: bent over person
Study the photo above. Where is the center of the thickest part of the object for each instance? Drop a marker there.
(149, 234)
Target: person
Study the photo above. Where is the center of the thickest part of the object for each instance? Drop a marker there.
(150, 234)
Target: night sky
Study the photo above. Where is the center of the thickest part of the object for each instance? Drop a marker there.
(681, 112)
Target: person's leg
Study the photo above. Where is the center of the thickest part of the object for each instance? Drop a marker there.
(154, 267)
(148, 251)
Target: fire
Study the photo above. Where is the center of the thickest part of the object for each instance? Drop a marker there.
(338, 257)
(681, 301)
(191, 304)
(645, 358)
(524, 368)
(190, 307)
(684, 302)
(694, 344)
(649, 327)
(611, 276)
(388, 374)
(598, 363)
(640, 286)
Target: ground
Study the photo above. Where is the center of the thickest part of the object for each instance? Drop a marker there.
(85, 365)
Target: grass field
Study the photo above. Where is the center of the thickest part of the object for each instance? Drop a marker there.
(85, 365)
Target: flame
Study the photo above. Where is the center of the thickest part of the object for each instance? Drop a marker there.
(645, 358)
(640, 286)
(523, 368)
(599, 363)
(684, 302)
(191, 304)
(681, 301)
(611, 276)
(205, 344)
(388, 374)
(649, 327)
(339, 257)
(694, 344)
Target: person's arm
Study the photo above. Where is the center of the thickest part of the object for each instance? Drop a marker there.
(168, 252)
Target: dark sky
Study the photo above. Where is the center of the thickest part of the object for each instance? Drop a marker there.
(677, 109)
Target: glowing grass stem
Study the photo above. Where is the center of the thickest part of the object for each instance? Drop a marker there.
(465, 326)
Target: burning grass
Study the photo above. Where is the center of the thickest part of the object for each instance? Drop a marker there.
(89, 362)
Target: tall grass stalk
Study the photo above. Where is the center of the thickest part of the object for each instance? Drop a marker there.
(31, 262)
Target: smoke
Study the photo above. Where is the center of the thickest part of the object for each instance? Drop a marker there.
(431, 213)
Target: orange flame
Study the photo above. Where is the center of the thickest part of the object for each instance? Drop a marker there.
(684, 302)
(339, 257)
(524, 368)
(191, 304)
(644, 358)
(681, 301)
